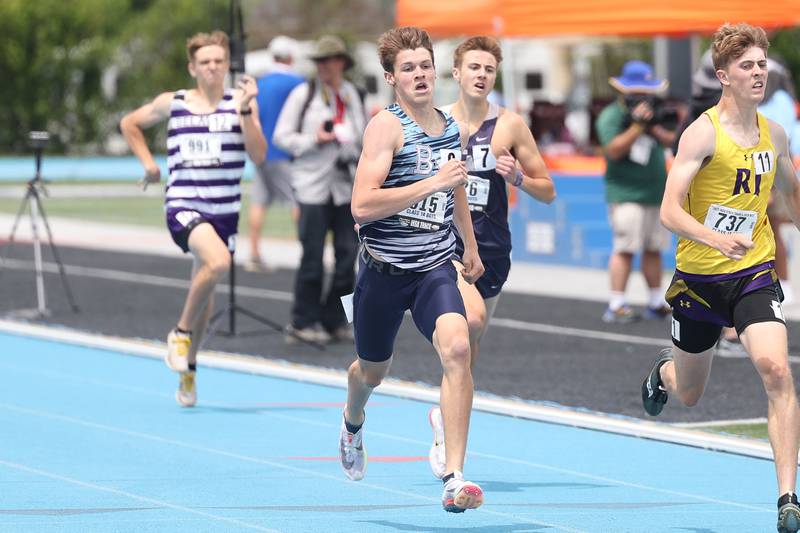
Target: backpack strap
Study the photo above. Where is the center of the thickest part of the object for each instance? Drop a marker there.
(312, 87)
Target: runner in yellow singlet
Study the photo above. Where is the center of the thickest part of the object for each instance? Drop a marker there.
(715, 201)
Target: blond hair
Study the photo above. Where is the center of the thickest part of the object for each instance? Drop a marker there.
(481, 42)
(199, 40)
(395, 40)
(730, 41)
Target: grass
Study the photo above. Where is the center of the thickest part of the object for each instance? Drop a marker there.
(751, 431)
(145, 211)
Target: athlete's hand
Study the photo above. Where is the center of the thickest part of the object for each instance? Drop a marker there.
(452, 174)
(151, 175)
(733, 246)
(473, 266)
(249, 89)
(506, 166)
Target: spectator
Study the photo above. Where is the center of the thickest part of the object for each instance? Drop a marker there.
(632, 139)
(272, 183)
(321, 125)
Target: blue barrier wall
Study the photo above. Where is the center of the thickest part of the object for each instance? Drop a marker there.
(573, 230)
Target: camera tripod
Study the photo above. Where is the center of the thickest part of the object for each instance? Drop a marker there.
(32, 199)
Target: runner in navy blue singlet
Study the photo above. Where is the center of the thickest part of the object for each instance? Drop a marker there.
(210, 131)
(407, 196)
(501, 152)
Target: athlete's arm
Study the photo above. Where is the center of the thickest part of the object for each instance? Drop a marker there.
(254, 141)
(382, 139)
(786, 180)
(133, 125)
(695, 147)
(473, 266)
(536, 180)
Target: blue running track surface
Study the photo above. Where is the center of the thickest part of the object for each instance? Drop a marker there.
(91, 440)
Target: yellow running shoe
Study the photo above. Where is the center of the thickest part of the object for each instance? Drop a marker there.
(186, 395)
(178, 345)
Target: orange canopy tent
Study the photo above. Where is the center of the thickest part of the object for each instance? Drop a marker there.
(537, 18)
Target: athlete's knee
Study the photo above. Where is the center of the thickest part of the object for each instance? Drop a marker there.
(455, 352)
(476, 320)
(777, 376)
(690, 396)
(218, 265)
(369, 375)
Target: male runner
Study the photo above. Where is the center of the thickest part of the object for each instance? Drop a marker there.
(210, 130)
(498, 138)
(715, 200)
(408, 192)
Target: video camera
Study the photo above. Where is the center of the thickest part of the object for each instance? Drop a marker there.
(664, 113)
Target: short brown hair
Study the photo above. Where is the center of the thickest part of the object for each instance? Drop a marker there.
(404, 38)
(481, 42)
(730, 41)
(199, 40)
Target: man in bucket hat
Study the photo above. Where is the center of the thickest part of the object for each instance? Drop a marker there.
(321, 125)
(633, 144)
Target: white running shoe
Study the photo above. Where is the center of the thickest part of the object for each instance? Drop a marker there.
(460, 495)
(436, 456)
(178, 345)
(352, 453)
(186, 395)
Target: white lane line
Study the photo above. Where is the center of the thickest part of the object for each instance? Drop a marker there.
(717, 423)
(250, 459)
(137, 497)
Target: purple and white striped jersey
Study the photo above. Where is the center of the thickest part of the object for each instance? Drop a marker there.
(206, 157)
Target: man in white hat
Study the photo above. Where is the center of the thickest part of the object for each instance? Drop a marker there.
(272, 184)
(633, 145)
(321, 126)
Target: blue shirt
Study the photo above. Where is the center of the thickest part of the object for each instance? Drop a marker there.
(273, 89)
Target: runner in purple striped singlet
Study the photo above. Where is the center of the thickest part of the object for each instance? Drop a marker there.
(210, 131)
(501, 152)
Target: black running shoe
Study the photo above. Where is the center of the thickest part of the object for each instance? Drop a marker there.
(788, 514)
(654, 396)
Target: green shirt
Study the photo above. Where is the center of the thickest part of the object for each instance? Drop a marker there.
(626, 180)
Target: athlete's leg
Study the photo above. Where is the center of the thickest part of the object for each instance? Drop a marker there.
(687, 374)
(477, 315)
(451, 340)
(213, 260)
(362, 378)
(766, 342)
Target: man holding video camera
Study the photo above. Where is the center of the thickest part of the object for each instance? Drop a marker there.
(320, 126)
(633, 136)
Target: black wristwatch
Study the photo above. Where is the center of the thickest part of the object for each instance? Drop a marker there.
(245, 112)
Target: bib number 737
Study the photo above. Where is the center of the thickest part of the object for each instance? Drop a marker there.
(729, 220)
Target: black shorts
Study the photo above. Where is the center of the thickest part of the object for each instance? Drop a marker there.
(700, 308)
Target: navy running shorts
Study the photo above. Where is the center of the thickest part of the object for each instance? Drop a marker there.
(384, 292)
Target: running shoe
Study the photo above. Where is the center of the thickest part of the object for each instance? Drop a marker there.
(654, 395)
(186, 395)
(178, 345)
(352, 453)
(788, 514)
(436, 456)
(460, 495)
(623, 315)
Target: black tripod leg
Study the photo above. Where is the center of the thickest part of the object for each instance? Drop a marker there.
(14, 227)
(56, 255)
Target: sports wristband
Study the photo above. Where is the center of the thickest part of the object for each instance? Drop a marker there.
(245, 112)
(518, 178)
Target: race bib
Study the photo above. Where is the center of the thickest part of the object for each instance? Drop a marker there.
(641, 150)
(427, 214)
(729, 220)
(763, 161)
(477, 192)
(200, 150)
(482, 158)
(220, 122)
(446, 154)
